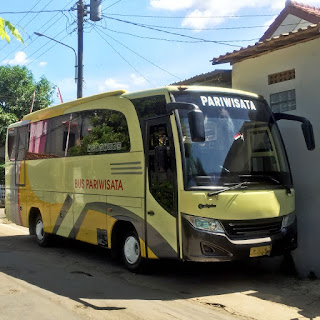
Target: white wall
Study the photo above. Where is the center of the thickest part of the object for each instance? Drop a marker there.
(252, 75)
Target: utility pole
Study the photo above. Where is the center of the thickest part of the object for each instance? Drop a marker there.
(81, 13)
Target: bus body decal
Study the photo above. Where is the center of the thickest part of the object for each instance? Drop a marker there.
(123, 168)
(63, 212)
(162, 249)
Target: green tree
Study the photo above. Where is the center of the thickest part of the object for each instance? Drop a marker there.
(17, 86)
(6, 25)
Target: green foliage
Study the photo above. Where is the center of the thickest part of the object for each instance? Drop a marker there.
(163, 193)
(4, 25)
(17, 86)
(107, 127)
(5, 120)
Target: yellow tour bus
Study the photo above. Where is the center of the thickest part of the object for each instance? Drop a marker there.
(190, 173)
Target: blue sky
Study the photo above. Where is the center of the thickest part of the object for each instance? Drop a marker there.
(118, 53)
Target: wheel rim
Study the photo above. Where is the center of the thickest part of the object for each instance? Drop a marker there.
(131, 250)
(39, 230)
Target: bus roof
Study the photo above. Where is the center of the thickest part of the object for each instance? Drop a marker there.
(150, 92)
(61, 108)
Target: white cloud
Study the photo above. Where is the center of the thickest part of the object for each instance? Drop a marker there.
(43, 63)
(200, 9)
(137, 80)
(20, 58)
(220, 9)
(114, 84)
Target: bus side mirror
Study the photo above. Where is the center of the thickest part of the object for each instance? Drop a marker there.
(306, 127)
(195, 119)
(196, 125)
(307, 130)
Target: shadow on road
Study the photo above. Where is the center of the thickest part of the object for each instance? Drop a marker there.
(83, 273)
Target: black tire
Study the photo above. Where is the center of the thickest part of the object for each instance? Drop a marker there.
(131, 252)
(42, 237)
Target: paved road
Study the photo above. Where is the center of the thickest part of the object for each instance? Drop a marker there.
(77, 281)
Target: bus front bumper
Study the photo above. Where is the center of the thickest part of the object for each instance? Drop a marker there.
(210, 247)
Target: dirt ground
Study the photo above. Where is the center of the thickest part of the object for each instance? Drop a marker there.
(263, 289)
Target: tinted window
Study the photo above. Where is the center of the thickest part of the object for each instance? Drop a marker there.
(11, 143)
(77, 134)
(17, 143)
(99, 132)
(161, 165)
(150, 107)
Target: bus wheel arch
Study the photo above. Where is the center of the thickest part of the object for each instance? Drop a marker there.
(125, 244)
(36, 227)
(33, 214)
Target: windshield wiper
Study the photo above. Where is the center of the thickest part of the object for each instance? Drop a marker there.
(266, 177)
(234, 187)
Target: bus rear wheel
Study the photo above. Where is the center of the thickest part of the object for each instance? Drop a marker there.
(42, 237)
(131, 252)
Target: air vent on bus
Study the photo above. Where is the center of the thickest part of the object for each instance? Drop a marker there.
(252, 228)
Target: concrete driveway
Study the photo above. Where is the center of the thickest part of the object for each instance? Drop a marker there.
(82, 281)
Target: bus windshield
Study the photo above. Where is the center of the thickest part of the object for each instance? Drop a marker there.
(242, 143)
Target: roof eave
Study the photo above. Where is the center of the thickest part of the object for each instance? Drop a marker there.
(276, 43)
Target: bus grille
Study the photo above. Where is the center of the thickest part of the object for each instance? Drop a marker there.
(252, 228)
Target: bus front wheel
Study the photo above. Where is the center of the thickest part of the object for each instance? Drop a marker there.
(41, 236)
(131, 252)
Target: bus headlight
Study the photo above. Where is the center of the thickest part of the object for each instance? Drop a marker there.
(205, 224)
(288, 220)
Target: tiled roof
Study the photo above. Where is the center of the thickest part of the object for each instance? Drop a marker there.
(284, 40)
(213, 76)
(305, 7)
(300, 10)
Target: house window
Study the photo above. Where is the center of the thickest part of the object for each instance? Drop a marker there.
(282, 76)
(283, 101)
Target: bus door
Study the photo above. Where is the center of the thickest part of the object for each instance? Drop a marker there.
(17, 151)
(21, 143)
(161, 191)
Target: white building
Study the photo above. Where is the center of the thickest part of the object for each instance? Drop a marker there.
(284, 68)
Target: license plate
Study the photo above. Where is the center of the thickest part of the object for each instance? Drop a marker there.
(260, 251)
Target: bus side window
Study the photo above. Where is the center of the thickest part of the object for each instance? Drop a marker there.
(161, 167)
(11, 143)
(22, 135)
(99, 132)
(57, 136)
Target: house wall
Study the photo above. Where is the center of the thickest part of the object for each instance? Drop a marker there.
(252, 75)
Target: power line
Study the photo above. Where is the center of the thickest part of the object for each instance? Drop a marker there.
(202, 17)
(112, 4)
(151, 38)
(33, 12)
(136, 53)
(27, 14)
(171, 33)
(37, 14)
(218, 28)
(136, 70)
(173, 40)
(35, 59)
(35, 39)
